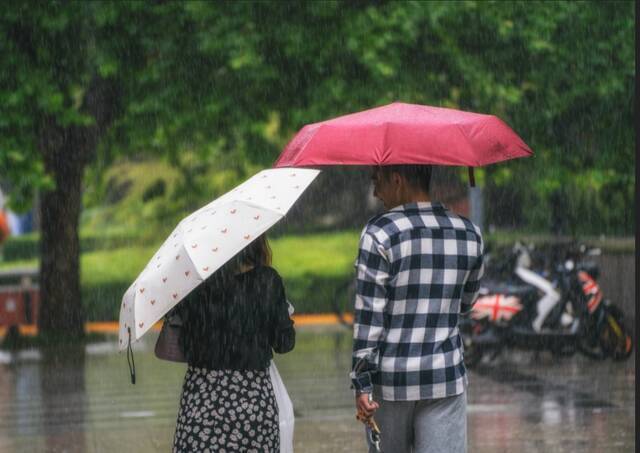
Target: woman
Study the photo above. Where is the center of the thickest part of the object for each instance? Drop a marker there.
(230, 326)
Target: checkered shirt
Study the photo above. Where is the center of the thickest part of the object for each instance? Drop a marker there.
(418, 268)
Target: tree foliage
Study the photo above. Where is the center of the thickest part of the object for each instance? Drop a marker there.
(85, 83)
(227, 76)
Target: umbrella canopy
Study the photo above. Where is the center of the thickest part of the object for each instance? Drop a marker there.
(401, 133)
(204, 241)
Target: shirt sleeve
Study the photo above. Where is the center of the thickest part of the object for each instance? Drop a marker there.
(472, 285)
(283, 335)
(372, 275)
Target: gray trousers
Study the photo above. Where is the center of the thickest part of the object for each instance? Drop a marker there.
(425, 426)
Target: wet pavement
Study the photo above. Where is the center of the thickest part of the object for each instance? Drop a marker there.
(74, 401)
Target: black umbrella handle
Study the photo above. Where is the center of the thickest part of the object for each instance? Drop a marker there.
(130, 361)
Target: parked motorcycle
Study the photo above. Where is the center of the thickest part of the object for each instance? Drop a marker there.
(560, 309)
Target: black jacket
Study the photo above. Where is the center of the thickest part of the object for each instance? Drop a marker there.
(236, 326)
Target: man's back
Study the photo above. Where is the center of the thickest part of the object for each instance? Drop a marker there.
(418, 268)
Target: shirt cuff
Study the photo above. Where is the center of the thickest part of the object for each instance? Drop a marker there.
(361, 382)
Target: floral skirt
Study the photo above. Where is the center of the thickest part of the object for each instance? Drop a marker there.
(227, 411)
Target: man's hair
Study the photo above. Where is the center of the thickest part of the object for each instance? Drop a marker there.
(418, 176)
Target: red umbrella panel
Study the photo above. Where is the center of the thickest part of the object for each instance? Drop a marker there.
(402, 133)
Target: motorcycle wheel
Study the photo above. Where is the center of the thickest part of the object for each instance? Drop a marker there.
(615, 338)
(594, 352)
(472, 352)
(591, 346)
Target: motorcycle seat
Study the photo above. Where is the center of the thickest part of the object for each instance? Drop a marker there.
(512, 290)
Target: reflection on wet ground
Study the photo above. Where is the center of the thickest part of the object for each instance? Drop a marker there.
(69, 401)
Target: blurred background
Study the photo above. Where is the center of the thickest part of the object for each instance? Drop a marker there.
(119, 118)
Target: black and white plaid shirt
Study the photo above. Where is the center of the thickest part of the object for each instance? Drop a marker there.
(418, 268)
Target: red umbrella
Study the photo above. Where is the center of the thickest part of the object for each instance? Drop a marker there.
(401, 133)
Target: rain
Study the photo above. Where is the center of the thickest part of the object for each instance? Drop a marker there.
(145, 141)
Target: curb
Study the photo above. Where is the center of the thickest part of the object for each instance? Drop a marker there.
(111, 327)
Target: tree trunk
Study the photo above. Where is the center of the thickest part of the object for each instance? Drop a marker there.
(61, 311)
(66, 152)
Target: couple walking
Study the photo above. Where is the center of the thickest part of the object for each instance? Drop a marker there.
(418, 269)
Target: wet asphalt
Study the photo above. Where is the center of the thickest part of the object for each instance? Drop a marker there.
(81, 400)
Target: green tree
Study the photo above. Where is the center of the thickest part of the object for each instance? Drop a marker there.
(70, 74)
(87, 82)
(56, 107)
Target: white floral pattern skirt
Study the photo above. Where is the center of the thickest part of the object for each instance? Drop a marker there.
(227, 411)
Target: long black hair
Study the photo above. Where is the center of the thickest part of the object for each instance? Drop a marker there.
(258, 253)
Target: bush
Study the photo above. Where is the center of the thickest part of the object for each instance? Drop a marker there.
(27, 247)
(18, 248)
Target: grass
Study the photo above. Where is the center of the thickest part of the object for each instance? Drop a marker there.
(329, 255)
(313, 266)
(99, 268)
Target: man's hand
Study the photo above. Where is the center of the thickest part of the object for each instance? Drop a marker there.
(364, 406)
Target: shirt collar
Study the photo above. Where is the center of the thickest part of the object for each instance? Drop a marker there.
(418, 205)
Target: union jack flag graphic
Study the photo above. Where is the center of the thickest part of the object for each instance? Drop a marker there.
(591, 289)
(496, 307)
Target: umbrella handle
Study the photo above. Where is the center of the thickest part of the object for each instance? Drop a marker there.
(130, 361)
(373, 431)
(472, 178)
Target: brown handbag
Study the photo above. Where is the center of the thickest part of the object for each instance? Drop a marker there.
(168, 346)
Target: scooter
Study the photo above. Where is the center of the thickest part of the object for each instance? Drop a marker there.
(605, 333)
(561, 311)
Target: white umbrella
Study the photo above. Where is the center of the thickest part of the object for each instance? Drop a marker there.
(204, 241)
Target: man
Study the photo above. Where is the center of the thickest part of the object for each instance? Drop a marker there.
(418, 269)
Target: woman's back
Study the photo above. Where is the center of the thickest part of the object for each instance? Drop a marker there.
(236, 324)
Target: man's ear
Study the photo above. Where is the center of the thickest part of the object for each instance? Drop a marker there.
(397, 179)
(399, 184)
